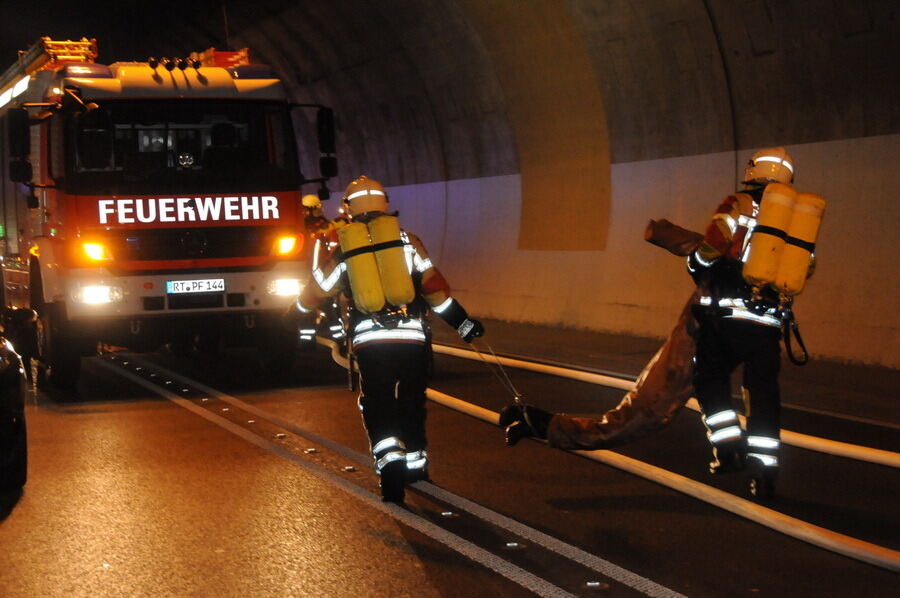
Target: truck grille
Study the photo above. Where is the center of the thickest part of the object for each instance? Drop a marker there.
(192, 243)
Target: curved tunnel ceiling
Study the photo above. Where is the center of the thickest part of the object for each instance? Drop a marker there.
(415, 76)
(553, 90)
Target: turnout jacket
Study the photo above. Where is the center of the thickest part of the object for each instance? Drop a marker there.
(403, 324)
(717, 264)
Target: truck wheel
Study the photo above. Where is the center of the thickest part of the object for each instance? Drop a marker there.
(61, 349)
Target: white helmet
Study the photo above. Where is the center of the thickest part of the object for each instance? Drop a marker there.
(364, 195)
(770, 165)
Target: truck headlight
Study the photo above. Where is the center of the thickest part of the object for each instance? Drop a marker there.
(285, 287)
(97, 294)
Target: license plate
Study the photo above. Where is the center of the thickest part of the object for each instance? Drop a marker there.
(207, 285)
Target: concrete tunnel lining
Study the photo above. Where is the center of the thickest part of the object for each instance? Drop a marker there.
(424, 105)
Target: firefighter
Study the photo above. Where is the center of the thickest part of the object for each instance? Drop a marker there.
(314, 218)
(390, 285)
(739, 324)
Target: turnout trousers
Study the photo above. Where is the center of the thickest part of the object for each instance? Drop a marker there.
(392, 392)
(722, 345)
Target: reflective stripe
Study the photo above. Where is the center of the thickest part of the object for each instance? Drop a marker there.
(721, 417)
(327, 283)
(417, 464)
(740, 311)
(777, 160)
(690, 268)
(729, 221)
(365, 192)
(725, 434)
(410, 255)
(763, 442)
(443, 306)
(701, 261)
(747, 221)
(389, 442)
(301, 308)
(416, 460)
(389, 335)
(366, 325)
(768, 320)
(767, 460)
(389, 458)
(422, 264)
(315, 264)
(414, 455)
(368, 330)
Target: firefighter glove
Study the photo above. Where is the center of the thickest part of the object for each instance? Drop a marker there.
(524, 421)
(470, 329)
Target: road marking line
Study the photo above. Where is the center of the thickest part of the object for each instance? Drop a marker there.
(796, 528)
(573, 553)
(477, 554)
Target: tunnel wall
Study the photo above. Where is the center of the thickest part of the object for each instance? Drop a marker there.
(431, 98)
(847, 312)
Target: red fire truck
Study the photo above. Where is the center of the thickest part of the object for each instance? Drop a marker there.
(150, 202)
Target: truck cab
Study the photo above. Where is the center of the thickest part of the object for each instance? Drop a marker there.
(153, 202)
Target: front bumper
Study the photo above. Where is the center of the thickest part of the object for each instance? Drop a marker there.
(92, 293)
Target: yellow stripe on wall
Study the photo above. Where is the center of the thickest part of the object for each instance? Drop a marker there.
(556, 109)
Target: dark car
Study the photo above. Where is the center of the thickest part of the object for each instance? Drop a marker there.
(13, 439)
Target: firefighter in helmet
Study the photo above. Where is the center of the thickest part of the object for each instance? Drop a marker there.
(314, 218)
(391, 286)
(740, 325)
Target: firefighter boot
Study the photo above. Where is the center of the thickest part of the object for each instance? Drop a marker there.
(390, 465)
(727, 458)
(417, 467)
(393, 481)
(762, 479)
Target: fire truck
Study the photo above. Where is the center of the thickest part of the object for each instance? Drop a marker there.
(150, 202)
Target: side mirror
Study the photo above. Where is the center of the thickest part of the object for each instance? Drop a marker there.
(20, 171)
(18, 123)
(325, 130)
(323, 193)
(328, 166)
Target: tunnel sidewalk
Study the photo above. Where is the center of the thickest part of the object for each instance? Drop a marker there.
(868, 392)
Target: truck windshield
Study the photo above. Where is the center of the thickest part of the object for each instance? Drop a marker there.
(181, 146)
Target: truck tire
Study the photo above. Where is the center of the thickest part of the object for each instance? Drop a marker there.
(61, 348)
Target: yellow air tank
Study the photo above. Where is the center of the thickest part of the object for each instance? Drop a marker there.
(801, 242)
(767, 242)
(365, 282)
(395, 277)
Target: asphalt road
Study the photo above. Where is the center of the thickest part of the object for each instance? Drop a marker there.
(222, 483)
